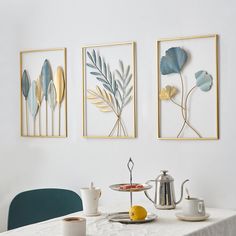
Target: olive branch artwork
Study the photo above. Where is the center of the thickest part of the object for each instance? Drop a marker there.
(115, 91)
(173, 62)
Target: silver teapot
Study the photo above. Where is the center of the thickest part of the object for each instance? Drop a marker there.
(164, 197)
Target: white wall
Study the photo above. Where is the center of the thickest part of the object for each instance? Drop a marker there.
(73, 162)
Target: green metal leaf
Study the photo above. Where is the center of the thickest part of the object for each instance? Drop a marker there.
(90, 65)
(52, 96)
(121, 66)
(25, 84)
(104, 68)
(89, 55)
(32, 99)
(203, 80)
(127, 71)
(128, 100)
(107, 87)
(95, 73)
(94, 56)
(102, 80)
(100, 62)
(173, 61)
(46, 76)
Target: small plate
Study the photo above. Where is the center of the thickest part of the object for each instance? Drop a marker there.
(123, 217)
(181, 216)
(116, 187)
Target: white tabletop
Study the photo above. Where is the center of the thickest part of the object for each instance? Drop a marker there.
(221, 223)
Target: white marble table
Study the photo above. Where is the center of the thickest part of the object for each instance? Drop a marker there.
(221, 223)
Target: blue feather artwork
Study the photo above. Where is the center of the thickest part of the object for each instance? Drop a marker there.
(173, 61)
(32, 101)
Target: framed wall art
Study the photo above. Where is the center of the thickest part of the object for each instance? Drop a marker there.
(187, 71)
(109, 91)
(43, 95)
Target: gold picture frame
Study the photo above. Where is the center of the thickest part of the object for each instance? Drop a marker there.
(214, 37)
(63, 129)
(132, 65)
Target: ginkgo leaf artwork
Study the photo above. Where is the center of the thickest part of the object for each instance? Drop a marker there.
(188, 88)
(43, 93)
(109, 91)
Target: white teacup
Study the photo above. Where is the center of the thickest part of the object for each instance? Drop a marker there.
(194, 207)
(74, 226)
(90, 197)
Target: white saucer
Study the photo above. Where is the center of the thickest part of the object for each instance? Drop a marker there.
(181, 216)
(95, 214)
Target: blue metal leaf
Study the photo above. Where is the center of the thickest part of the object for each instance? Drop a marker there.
(46, 76)
(173, 61)
(32, 99)
(25, 84)
(203, 80)
(52, 95)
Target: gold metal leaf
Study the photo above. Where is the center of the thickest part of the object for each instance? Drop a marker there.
(168, 92)
(59, 84)
(100, 99)
(99, 91)
(39, 91)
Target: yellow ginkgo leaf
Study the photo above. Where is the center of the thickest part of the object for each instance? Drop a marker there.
(168, 92)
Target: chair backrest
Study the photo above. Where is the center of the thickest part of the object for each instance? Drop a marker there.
(42, 204)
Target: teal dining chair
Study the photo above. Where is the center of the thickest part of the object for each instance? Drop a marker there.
(42, 204)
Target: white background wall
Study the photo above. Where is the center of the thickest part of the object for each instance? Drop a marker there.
(73, 162)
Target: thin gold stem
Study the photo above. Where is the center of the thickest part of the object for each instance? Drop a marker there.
(184, 115)
(26, 117)
(39, 121)
(182, 90)
(113, 127)
(182, 101)
(52, 122)
(186, 119)
(123, 128)
(59, 128)
(118, 127)
(34, 125)
(46, 118)
(176, 103)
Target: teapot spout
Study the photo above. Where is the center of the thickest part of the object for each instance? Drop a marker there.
(182, 192)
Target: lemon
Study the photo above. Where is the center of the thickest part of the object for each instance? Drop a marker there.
(137, 213)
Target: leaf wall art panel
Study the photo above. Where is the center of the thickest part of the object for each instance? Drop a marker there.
(43, 93)
(188, 88)
(109, 91)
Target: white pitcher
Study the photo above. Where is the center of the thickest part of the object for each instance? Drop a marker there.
(90, 197)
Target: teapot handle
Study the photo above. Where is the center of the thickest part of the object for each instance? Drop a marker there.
(146, 193)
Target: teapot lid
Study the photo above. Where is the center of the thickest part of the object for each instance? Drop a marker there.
(164, 177)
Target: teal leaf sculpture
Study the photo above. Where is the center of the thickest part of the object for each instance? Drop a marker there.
(32, 99)
(25, 83)
(52, 95)
(173, 61)
(46, 76)
(203, 80)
